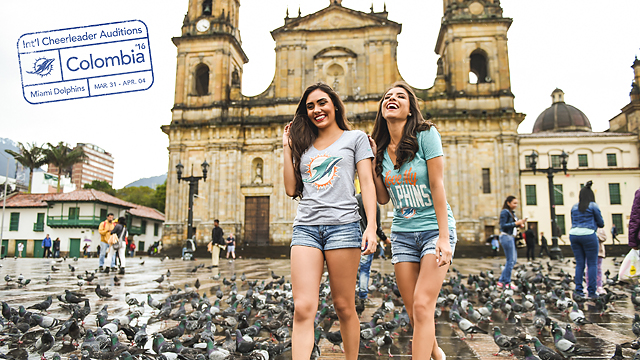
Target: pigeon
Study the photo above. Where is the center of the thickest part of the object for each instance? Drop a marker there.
(504, 342)
(44, 343)
(528, 354)
(566, 347)
(160, 279)
(102, 293)
(42, 306)
(45, 322)
(618, 353)
(577, 317)
(467, 327)
(243, 346)
(384, 341)
(545, 353)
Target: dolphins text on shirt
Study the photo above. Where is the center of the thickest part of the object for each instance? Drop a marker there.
(405, 192)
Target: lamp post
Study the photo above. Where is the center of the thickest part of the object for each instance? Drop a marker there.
(555, 251)
(193, 190)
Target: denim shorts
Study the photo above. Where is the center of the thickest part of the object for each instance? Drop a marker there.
(328, 237)
(412, 246)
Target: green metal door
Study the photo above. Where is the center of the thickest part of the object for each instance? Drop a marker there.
(74, 248)
(38, 251)
(24, 248)
(5, 247)
(140, 246)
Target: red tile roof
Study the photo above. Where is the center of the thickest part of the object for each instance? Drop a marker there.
(90, 195)
(20, 200)
(146, 212)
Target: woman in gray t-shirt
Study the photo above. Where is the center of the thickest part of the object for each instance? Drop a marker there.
(321, 156)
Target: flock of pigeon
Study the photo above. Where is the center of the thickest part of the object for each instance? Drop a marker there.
(251, 318)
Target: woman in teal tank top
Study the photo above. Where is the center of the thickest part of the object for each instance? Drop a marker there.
(409, 171)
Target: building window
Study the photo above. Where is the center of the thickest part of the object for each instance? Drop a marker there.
(103, 214)
(558, 195)
(583, 161)
(616, 219)
(74, 213)
(530, 191)
(478, 67)
(143, 227)
(156, 229)
(527, 161)
(486, 181)
(202, 80)
(14, 222)
(612, 160)
(39, 225)
(561, 224)
(555, 161)
(206, 7)
(614, 194)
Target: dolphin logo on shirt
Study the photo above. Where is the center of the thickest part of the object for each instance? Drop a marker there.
(323, 170)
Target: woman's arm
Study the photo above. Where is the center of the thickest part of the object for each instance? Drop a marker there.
(435, 166)
(598, 216)
(289, 176)
(381, 190)
(368, 190)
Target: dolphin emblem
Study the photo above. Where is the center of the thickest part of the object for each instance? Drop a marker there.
(323, 169)
(42, 67)
(408, 212)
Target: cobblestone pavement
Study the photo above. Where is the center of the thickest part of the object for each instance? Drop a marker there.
(614, 327)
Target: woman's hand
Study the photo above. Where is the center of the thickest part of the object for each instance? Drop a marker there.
(285, 135)
(369, 242)
(373, 145)
(443, 251)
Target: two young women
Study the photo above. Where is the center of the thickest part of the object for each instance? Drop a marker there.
(402, 162)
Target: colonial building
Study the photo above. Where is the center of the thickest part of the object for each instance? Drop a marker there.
(609, 159)
(73, 217)
(355, 52)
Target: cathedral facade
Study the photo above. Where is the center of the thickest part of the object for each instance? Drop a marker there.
(239, 136)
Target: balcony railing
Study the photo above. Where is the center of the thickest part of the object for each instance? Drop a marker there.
(38, 227)
(80, 221)
(135, 230)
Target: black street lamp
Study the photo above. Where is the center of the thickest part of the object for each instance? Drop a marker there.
(555, 251)
(193, 190)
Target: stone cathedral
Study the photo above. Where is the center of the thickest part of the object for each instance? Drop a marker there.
(355, 52)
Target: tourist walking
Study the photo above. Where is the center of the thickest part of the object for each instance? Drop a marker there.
(46, 245)
(508, 229)
(409, 160)
(364, 268)
(231, 246)
(56, 248)
(105, 229)
(634, 222)
(544, 247)
(321, 156)
(120, 248)
(531, 238)
(586, 218)
(217, 241)
(614, 234)
(20, 249)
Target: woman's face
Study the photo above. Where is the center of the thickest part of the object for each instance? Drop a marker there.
(513, 204)
(320, 109)
(395, 104)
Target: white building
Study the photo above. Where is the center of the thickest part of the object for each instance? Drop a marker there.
(73, 217)
(43, 182)
(609, 159)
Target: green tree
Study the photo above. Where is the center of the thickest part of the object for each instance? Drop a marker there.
(101, 185)
(63, 157)
(141, 195)
(31, 156)
(161, 196)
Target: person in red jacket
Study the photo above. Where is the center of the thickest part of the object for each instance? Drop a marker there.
(634, 222)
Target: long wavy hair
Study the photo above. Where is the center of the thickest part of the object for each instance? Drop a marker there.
(303, 132)
(586, 197)
(408, 145)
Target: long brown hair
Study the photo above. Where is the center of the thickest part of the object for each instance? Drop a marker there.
(408, 145)
(303, 132)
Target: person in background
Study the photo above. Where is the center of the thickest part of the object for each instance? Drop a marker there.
(614, 234)
(634, 222)
(132, 247)
(120, 230)
(543, 245)
(602, 237)
(531, 240)
(586, 218)
(382, 244)
(216, 242)
(20, 249)
(56, 248)
(495, 245)
(105, 229)
(85, 250)
(508, 227)
(231, 246)
(364, 268)
(46, 245)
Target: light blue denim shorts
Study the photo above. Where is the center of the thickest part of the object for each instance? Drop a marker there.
(412, 246)
(328, 237)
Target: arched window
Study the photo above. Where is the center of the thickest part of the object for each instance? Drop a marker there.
(335, 78)
(478, 67)
(206, 7)
(202, 80)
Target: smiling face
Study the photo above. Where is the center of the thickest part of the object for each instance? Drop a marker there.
(395, 104)
(320, 109)
(513, 204)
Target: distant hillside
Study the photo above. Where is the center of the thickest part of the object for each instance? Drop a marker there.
(151, 182)
(10, 145)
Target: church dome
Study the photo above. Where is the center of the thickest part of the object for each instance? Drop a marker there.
(561, 117)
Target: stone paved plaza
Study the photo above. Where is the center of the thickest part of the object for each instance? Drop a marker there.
(614, 327)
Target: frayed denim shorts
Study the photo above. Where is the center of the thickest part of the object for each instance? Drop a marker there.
(412, 246)
(328, 237)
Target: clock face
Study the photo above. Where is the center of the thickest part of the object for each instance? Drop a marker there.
(202, 25)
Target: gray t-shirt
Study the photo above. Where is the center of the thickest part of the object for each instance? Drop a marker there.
(328, 196)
